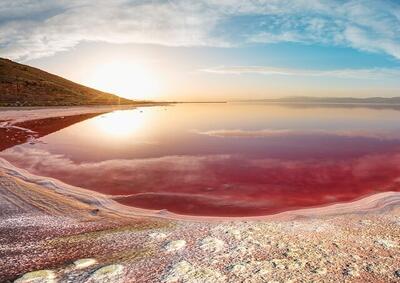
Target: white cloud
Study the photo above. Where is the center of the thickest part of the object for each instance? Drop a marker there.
(164, 23)
(360, 39)
(369, 74)
(35, 28)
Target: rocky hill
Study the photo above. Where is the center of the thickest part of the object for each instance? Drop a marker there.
(22, 85)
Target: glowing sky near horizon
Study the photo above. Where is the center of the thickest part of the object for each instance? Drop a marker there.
(210, 50)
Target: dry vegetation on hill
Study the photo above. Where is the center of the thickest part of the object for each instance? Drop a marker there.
(22, 85)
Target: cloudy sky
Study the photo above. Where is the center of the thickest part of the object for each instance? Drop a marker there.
(210, 49)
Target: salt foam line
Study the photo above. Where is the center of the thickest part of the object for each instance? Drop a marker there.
(53, 184)
(373, 203)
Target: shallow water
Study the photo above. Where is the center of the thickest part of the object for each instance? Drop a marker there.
(234, 159)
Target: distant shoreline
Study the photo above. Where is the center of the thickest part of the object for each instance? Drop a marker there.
(327, 105)
(316, 103)
(327, 100)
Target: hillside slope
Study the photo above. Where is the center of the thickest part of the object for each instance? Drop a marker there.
(22, 85)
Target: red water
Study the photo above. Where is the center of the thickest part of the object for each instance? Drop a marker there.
(225, 160)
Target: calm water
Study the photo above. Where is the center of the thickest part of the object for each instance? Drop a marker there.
(225, 159)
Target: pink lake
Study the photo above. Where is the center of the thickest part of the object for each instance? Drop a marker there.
(233, 159)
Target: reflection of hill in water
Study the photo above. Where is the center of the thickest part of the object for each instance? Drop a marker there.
(341, 105)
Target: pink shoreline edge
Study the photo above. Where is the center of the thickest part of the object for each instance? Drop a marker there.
(367, 204)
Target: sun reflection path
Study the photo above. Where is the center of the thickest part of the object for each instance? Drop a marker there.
(120, 124)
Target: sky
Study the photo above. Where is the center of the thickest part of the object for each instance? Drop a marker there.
(199, 50)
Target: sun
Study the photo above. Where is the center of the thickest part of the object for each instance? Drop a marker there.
(132, 81)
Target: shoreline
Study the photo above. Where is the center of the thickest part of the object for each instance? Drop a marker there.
(374, 203)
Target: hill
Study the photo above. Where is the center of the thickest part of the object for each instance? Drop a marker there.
(22, 85)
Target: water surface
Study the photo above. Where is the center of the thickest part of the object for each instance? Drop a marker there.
(234, 159)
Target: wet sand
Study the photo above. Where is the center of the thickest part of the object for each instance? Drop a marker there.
(67, 234)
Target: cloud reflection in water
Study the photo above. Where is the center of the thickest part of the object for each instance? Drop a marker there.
(220, 184)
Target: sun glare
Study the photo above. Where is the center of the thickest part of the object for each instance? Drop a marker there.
(133, 81)
(119, 124)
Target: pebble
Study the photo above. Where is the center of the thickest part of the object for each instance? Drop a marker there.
(212, 244)
(386, 243)
(350, 271)
(397, 273)
(109, 273)
(238, 269)
(184, 271)
(157, 236)
(85, 262)
(320, 270)
(278, 263)
(175, 245)
(40, 276)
